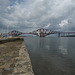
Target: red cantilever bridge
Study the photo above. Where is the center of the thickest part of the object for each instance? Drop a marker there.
(40, 32)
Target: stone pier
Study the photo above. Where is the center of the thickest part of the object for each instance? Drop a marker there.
(14, 58)
(23, 64)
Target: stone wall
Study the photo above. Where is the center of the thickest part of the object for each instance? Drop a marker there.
(14, 58)
(10, 40)
(23, 65)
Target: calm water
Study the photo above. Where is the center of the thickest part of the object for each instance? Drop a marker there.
(52, 56)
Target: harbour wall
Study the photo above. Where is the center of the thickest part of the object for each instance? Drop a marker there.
(14, 59)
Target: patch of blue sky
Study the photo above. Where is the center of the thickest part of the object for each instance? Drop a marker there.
(19, 1)
(12, 2)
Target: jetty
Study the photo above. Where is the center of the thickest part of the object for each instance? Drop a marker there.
(14, 57)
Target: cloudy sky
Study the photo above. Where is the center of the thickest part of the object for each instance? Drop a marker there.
(29, 15)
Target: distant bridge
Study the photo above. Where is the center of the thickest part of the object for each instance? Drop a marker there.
(40, 32)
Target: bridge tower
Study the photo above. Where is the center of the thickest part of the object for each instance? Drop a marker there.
(42, 34)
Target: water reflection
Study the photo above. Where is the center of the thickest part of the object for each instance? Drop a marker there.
(41, 42)
(63, 47)
(52, 56)
(63, 50)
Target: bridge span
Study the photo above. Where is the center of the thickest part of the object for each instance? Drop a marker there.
(39, 32)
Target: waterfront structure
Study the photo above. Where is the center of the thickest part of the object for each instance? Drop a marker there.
(39, 32)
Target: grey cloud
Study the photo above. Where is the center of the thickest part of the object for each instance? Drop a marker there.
(33, 14)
